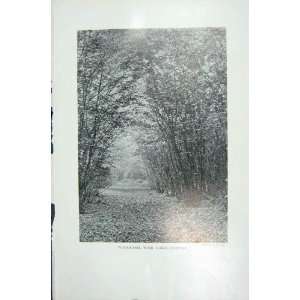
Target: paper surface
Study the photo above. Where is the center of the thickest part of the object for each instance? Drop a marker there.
(97, 270)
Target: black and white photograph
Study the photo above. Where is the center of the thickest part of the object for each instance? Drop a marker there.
(152, 135)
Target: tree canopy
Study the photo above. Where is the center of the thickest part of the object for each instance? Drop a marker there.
(171, 84)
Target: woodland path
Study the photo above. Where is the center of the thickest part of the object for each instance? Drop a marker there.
(138, 214)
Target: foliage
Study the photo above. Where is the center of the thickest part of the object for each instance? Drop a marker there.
(105, 87)
(171, 85)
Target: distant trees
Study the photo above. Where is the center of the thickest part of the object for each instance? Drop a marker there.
(172, 85)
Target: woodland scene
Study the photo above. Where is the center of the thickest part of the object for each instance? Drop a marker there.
(152, 135)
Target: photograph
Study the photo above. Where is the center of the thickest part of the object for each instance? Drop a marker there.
(152, 135)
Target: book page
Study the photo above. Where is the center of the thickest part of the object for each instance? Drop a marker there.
(150, 140)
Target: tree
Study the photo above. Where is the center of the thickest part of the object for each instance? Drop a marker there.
(105, 89)
(170, 83)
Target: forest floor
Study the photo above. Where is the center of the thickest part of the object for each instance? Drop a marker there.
(138, 214)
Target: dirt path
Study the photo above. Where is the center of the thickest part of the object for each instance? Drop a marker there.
(138, 214)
